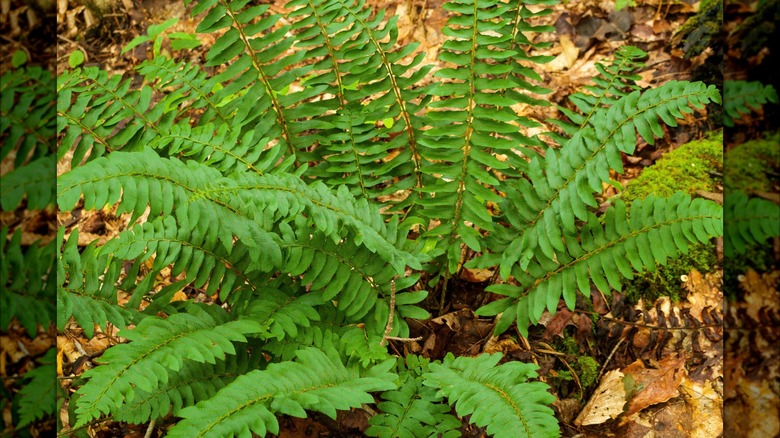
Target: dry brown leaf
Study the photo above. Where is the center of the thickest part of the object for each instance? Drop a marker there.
(654, 386)
(606, 403)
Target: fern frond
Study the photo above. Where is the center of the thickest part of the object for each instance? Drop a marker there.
(34, 180)
(28, 283)
(742, 97)
(194, 382)
(497, 396)
(748, 221)
(27, 124)
(544, 207)
(86, 288)
(317, 382)
(99, 113)
(473, 120)
(37, 397)
(413, 410)
(359, 64)
(655, 229)
(614, 81)
(204, 334)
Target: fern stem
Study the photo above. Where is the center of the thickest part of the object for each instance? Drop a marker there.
(85, 128)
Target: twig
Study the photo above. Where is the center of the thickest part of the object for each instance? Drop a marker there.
(150, 429)
(389, 326)
(606, 362)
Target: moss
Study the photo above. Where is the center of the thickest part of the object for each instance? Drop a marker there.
(588, 371)
(688, 168)
(753, 165)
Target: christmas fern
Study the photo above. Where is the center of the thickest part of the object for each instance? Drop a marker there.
(28, 126)
(308, 182)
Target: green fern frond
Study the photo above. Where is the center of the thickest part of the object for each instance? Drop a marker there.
(497, 396)
(358, 64)
(748, 221)
(283, 313)
(27, 124)
(28, 283)
(37, 397)
(100, 113)
(655, 229)
(742, 97)
(413, 410)
(86, 288)
(318, 381)
(35, 180)
(473, 121)
(614, 81)
(204, 334)
(541, 209)
(193, 383)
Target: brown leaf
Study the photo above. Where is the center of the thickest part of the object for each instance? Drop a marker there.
(654, 386)
(607, 401)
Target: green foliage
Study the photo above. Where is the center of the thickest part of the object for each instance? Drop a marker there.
(413, 410)
(497, 396)
(27, 128)
(28, 286)
(27, 283)
(317, 381)
(743, 98)
(36, 398)
(666, 281)
(750, 221)
(263, 180)
(689, 168)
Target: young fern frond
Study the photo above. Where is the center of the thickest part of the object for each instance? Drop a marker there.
(541, 209)
(317, 381)
(413, 409)
(497, 396)
(655, 229)
(748, 221)
(27, 281)
(204, 334)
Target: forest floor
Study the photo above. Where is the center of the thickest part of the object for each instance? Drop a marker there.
(664, 354)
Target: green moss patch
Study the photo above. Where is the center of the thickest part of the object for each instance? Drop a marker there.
(688, 168)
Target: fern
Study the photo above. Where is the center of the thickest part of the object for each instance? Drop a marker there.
(413, 410)
(743, 98)
(748, 221)
(36, 398)
(28, 283)
(202, 335)
(655, 230)
(497, 396)
(307, 182)
(317, 381)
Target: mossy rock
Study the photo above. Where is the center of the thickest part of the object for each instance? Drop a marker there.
(688, 168)
(752, 166)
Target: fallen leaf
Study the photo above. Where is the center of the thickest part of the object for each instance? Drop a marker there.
(654, 386)
(607, 401)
